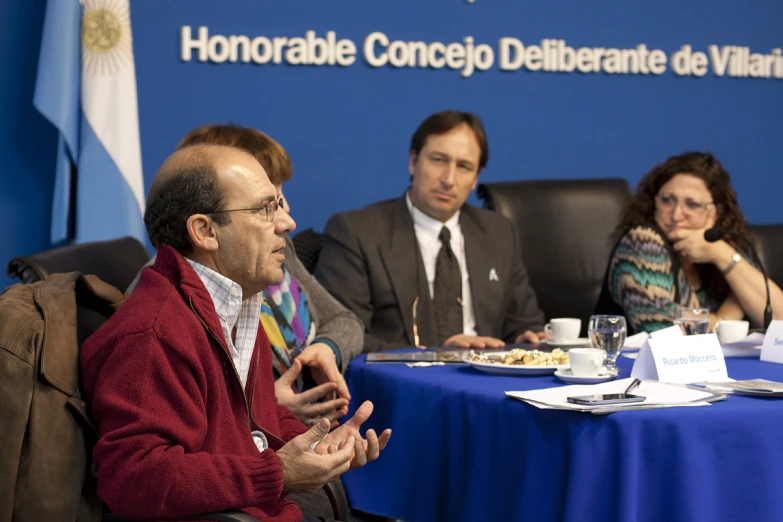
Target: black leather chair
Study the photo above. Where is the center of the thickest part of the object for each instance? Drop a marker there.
(307, 245)
(563, 228)
(769, 243)
(116, 261)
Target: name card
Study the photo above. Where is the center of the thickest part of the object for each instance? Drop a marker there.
(667, 333)
(772, 348)
(681, 359)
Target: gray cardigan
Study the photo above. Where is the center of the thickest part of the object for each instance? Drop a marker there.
(331, 319)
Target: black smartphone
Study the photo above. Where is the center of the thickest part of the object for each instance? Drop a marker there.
(608, 398)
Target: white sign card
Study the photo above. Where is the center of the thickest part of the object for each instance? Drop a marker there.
(772, 349)
(644, 366)
(667, 333)
(670, 356)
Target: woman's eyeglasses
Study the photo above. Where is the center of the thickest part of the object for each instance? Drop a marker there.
(689, 206)
(269, 210)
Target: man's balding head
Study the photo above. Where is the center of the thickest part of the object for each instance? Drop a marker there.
(187, 183)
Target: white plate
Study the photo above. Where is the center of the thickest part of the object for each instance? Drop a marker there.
(508, 369)
(565, 375)
(573, 343)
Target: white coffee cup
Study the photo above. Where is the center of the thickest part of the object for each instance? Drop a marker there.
(731, 331)
(564, 329)
(586, 362)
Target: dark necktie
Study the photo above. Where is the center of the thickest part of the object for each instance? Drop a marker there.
(447, 299)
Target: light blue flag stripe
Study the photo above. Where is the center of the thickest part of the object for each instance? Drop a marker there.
(57, 97)
(106, 207)
(61, 204)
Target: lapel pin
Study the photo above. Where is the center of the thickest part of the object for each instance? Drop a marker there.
(493, 275)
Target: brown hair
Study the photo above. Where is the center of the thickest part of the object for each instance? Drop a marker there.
(264, 149)
(443, 122)
(704, 166)
(641, 209)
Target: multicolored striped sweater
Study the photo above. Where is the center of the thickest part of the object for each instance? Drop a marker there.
(641, 280)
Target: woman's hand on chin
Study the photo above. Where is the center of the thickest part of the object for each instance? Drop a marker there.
(691, 246)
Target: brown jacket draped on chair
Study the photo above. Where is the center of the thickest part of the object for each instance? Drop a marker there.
(47, 434)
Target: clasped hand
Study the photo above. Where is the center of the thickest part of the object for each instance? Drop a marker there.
(331, 386)
(477, 342)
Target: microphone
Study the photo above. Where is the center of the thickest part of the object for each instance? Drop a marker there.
(714, 234)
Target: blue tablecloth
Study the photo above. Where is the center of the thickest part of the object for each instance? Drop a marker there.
(461, 450)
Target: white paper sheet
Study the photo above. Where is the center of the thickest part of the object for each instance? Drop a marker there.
(636, 341)
(749, 347)
(657, 395)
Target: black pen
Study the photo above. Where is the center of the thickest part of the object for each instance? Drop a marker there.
(634, 384)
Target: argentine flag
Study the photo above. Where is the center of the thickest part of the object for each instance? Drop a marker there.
(86, 86)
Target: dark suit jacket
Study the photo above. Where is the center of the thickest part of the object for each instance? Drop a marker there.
(370, 262)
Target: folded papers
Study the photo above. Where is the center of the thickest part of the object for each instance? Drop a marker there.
(751, 387)
(419, 356)
(749, 347)
(657, 395)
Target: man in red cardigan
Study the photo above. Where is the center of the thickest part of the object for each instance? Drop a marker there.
(180, 377)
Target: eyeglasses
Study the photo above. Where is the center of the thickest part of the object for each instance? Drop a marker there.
(689, 206)
(270, 210)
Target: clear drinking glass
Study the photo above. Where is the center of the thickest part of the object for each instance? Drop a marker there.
(692, 321)
(607, 333)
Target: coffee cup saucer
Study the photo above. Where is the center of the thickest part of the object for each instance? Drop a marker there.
(570, 343)
(565, 375)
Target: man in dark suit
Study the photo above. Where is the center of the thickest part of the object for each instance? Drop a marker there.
(427, 269)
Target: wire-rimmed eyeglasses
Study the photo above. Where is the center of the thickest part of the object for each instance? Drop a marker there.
(669, 202)
(270, 210)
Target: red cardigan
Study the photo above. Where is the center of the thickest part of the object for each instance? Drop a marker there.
(174, 438)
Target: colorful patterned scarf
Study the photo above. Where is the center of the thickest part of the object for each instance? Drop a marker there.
(285, 316)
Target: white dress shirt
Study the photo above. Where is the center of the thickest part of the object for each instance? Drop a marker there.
(427, 231)
(233, 312)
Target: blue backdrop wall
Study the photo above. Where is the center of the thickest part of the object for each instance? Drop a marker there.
(347, 127)
(27, 141)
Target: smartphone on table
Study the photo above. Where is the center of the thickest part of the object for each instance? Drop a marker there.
(607, 398)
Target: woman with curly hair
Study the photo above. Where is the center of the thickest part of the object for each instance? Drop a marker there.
(661, 260)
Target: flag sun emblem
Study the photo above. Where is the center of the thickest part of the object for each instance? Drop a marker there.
(106, 36)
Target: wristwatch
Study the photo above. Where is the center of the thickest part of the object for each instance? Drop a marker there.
(736, 258)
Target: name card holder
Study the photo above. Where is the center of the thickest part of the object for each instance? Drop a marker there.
(681, 359)
(772, 348)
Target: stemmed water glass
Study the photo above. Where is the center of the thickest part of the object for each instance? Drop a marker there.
(607, 333)
(692, 321)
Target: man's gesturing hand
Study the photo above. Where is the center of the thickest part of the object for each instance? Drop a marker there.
(306, 470)
(365, 450)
